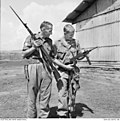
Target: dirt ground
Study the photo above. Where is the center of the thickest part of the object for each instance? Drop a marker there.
(98, 97)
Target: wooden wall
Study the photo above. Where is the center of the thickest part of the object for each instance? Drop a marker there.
(100, 26)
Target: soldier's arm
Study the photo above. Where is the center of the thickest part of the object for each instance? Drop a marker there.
(57, 62)
(28, 52)
(28, 49)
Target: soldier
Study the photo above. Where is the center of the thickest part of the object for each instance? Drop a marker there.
(39, 72)
(66, 48)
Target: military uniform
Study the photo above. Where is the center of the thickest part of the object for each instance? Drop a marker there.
(66, 49)
(39, 80)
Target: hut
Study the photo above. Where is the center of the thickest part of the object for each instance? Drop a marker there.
(98, 24)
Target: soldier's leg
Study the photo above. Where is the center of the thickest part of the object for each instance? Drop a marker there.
(74, 86)
(32, 91)
(62, 97)
(44, 95)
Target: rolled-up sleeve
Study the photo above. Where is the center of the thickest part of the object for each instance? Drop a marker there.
(27, 43)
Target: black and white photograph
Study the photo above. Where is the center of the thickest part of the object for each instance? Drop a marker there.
(60, 59)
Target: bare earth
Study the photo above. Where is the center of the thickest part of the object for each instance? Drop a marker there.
(98, 97)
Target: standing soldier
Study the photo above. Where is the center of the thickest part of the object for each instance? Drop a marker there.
(39, 72)
(66, 47)
(39, 79)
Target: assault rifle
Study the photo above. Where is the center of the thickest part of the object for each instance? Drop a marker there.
(81, 55)
(75, 72)
(46, 57)
(74, 81)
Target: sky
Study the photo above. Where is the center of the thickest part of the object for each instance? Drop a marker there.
(32, 12)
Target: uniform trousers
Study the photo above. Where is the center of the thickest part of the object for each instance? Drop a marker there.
(38, 88)
(62, 86)
(63, 93)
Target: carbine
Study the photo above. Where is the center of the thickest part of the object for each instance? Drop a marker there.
(105, 46)
(74, 76)
(46, 58)
(81, 55)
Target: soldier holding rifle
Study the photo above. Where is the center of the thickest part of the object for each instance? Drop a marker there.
(42, 56)
(67, 48)
(39, 71)
(38, 49)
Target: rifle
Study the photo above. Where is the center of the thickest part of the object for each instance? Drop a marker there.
(81, 55)
(102, 46)
(46, 57)
(74, 81)
(72, 91)
(88, 50)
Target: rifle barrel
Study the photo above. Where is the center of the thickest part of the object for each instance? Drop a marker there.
(24, 24)
(102, 46)
(108, 46)
(17, 15)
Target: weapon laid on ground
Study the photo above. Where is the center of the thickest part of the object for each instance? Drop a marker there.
(46, 58)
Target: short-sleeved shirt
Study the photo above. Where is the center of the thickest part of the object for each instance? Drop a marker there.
(66, 49)
(47, 44)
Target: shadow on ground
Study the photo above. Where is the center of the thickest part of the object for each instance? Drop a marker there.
(79, 108)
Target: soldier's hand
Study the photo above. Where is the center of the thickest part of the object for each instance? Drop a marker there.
(84, 51)
(37, 43)
(69, 67)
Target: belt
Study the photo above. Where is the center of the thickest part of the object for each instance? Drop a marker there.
(34, 61)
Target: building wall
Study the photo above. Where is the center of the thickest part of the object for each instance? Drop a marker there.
(100, 26)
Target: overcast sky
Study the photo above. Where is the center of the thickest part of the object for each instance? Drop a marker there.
(32, 12)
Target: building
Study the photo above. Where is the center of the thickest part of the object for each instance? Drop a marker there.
(98, 24)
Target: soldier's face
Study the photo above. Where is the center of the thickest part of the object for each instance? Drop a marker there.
(47, 31)
(69, 35)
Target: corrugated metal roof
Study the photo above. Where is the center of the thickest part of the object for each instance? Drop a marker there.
(80, 8)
